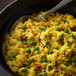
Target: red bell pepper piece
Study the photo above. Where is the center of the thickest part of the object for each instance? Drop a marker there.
(62, 28)
(38, 66)
(38, 40)
(57, 54)
(30, 27)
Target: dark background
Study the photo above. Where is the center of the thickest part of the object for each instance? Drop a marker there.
(4, 3)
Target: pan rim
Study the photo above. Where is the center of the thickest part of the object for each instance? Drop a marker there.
(7, 6)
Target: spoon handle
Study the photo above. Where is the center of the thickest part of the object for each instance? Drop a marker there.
(61, 4)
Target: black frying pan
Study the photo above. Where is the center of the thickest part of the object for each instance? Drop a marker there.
(26, 7)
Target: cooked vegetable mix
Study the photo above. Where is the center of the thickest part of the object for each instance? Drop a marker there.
(45, 48)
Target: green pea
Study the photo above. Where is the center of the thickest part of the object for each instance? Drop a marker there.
(73, 60)
(25, 69)
(42, 29)
(60, 47)
(24, 27)
(24, 42)
(58, 29)
(15, 71)
(36, 48)
(66, 63)
(64, 21)
(66, 30)
(32, 43)
(50, 52)
(14, 54)
(59, 23)
(47, 42)
(44, 60)
(28, 50)
(71, 35)
(62, 35)
(30, 60)
(36, 72)
(49, 67)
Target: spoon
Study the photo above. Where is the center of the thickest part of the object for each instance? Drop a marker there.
(58, 6)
